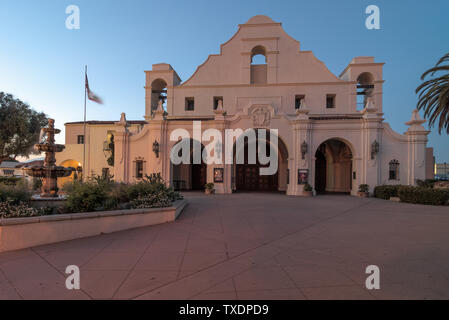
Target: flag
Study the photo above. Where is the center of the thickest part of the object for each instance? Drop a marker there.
(92, 96)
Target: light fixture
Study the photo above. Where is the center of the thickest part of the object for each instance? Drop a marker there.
(156, 148)
(374, 148)
(304, 148)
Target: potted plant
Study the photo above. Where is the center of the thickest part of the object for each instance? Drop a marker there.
(308, 190)
(209, 188)
(363, 191)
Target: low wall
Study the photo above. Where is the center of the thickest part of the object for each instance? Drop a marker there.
(20, 233)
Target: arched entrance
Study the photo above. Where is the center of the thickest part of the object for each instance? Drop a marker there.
(247, 175)
(191, 175)
(333, 167)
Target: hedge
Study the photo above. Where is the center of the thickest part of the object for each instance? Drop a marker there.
(423, 195)
(9, 181)
(386, 191)
(14, 193)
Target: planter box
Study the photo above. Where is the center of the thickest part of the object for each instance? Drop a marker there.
(307, 193)
(209, 191)
(20, 233)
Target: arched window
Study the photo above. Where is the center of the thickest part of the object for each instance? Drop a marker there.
(158, 92)
(365, 89)
(393, 170)
(258, 65)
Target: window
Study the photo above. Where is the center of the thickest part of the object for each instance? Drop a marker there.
(216, 99)
(394, 170)
(298, 100)
(80, 139)
(330, 101)
(258, 72)
(190, 104)
(139, 169)
(7, 172)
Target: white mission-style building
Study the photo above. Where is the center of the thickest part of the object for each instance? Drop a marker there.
(331, 129)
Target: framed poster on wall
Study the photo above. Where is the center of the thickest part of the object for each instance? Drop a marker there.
(218, 175)
(303, 176)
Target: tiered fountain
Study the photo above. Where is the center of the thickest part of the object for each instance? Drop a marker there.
(49, 172)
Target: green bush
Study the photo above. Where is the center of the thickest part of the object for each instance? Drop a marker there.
(8, 209)
(37, 183)
(308, 187)
(386, 191)
(14, 193)
(363, 188)
(159, 199)
(86, 196)
(423, 195)
(104, 194)
(9, 181)
(119, 192)
(150, 185)
(428, 183)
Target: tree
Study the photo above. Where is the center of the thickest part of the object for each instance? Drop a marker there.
(20, 127)
(434, 95)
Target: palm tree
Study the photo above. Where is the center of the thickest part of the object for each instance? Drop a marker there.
(434, 95)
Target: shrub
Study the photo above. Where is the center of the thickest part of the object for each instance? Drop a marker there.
(37, 183)
(423, 195)
(428, 183)
(364, 188)
(150, 185)
(158, 199)
(104, 194)
(14, 193)
(10, 210)
(119, 192)
(9, 181)
(386, 191)
(86, 196)
(308, 187)
(209, 186)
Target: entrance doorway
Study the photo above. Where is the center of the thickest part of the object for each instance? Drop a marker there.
(189, 176)
(246, 175)
(333, 167)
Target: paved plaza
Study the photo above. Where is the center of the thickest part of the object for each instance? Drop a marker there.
(250, 246)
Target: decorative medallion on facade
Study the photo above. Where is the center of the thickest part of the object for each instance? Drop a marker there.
(261, 117)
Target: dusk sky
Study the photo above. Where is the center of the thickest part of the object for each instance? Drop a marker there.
(42, 62)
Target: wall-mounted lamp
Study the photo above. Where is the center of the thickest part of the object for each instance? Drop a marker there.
(304, 148)
(156, 148)
(374, 148)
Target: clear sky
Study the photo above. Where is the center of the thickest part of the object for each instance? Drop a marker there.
(42, 62)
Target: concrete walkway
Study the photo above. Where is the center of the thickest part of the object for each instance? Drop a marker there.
(250, 246)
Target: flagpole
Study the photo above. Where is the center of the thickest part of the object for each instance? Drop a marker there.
(84, 138)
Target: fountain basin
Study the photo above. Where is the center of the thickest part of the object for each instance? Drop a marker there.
(50, 172)
(50, 148)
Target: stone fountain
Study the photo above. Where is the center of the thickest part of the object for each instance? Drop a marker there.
(49, 172)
